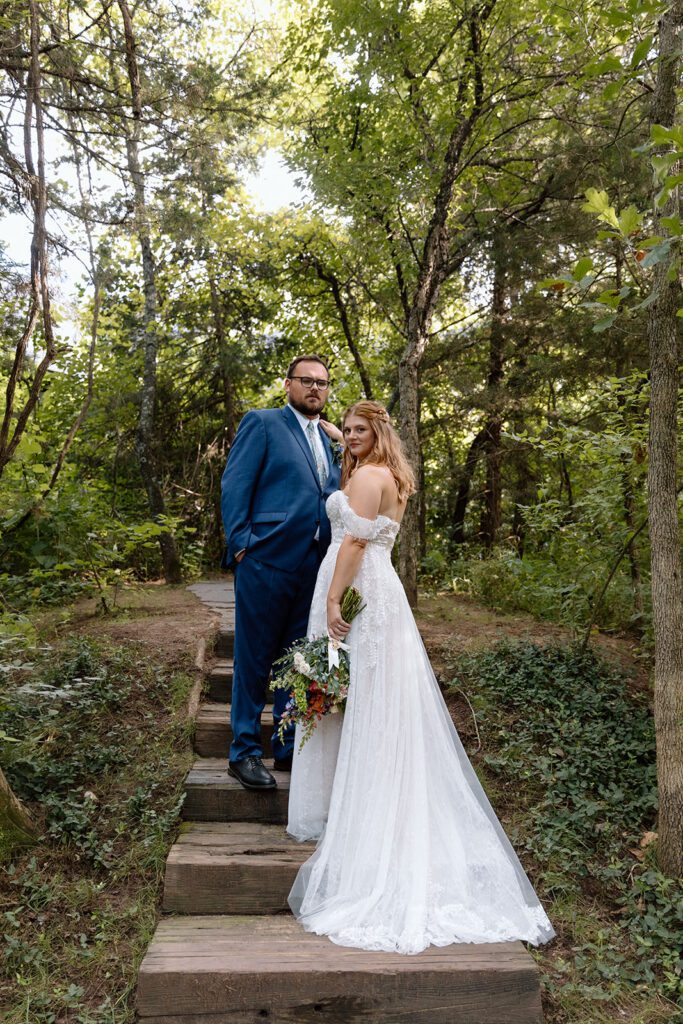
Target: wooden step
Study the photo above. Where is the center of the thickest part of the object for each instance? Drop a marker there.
(224, 646)
(219, 681)
(215, 970)
(213, 732)
(213, 795)
(232, 868)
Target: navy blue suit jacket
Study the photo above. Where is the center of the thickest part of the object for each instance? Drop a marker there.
(271, 499)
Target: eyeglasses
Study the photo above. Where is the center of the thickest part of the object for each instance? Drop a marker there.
(310, 382)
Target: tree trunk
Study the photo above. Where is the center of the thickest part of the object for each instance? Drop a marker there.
(40, 292)
(16, 827)
(472, 458)
(667, 586)
(629, 503)
(95, 277)
(523, 494)
(229, 399)
(626, 459)
(490, 519)
(491, 512)
(144, 442)
(350, 332)
(409, 548)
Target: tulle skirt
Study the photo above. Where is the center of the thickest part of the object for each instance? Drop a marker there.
(410, 852)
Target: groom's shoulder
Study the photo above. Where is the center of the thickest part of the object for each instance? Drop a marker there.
(266, 416)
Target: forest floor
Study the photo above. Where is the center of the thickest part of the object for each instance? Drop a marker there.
(67, 974)
(457, 623)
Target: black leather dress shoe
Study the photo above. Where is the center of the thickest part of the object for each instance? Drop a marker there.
(283, 764)
(252, 773)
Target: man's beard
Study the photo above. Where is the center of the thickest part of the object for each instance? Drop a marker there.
(307, 408)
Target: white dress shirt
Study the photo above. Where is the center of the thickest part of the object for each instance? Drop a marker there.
(303, 423)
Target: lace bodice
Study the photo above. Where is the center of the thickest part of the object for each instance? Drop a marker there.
(380, 532)
(376, 578)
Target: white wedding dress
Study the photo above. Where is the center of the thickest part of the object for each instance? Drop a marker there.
(410, 852)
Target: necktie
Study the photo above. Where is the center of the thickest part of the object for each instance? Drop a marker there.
(311, 430)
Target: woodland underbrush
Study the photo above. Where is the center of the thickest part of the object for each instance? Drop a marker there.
(94, 741)
(567, 755)
(564, 586)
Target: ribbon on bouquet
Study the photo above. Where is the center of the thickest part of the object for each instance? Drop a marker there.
(333, 649)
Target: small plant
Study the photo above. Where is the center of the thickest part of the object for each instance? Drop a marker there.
(568, 740)
(100, 759)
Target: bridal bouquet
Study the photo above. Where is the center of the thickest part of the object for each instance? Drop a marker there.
(316, 672)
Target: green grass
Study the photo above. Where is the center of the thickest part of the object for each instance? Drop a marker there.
(100, 760)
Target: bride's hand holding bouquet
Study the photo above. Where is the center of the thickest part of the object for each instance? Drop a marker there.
(316, 672)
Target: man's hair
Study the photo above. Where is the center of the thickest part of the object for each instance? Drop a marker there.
(306, 359)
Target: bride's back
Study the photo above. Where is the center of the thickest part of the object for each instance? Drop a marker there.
(373, 491)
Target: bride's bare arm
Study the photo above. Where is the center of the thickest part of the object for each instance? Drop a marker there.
(365, 496)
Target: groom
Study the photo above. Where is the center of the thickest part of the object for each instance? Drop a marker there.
(279, 473)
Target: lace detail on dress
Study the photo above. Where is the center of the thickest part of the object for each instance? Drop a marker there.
(410, 851)
(376, 579)
(344, 520)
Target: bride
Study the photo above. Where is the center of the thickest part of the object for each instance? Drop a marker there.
(410, 852)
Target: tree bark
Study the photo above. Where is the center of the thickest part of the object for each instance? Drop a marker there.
(491, 512)
(667, 585)
(95, 277)
(16, 827)
(627, 486)
(436, 263)
(145, 433)
(474, 455)
(229, 398)
(408, 382)
(39, 307)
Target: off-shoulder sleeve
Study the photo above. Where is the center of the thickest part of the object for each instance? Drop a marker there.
(358, 526)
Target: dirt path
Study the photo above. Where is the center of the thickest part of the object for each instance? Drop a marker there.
(170, 620)
(167, 621)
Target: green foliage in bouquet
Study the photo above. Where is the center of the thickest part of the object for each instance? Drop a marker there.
(316, 673)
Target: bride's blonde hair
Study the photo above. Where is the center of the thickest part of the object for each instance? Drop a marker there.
(386, 451)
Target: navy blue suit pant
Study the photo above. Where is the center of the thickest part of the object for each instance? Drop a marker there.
(271, 612)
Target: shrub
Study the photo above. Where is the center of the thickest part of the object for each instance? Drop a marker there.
(565, 725)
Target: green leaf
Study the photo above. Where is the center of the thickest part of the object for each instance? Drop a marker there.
(647, 301)
(552, 282)
(672, 224)
(604, 324)
(582, 267)
(597, 202)
(602, 67)
(641, 51)
(662, 164)
(662, 136)
(657, 253)
(630, 220)
(651, 240)
(610, 297)
(611, 91)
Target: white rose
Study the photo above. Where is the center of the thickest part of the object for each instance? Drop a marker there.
(301, 665)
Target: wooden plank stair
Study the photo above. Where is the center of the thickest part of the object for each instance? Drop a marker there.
(227, 950)
(213, 733)
(219, 681)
